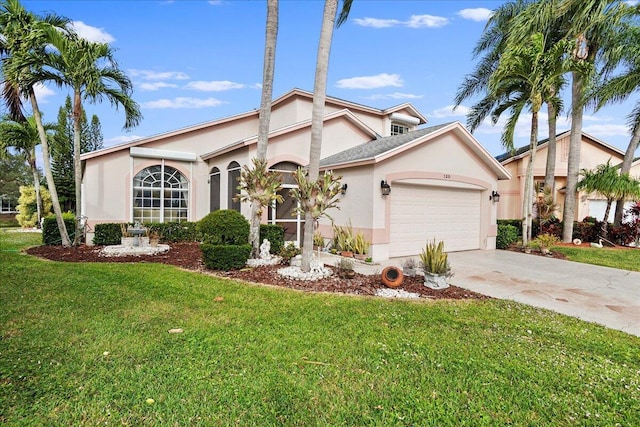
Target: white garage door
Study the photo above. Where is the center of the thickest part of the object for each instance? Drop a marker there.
(420, 214)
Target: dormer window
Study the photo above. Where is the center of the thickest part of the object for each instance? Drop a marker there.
(398, 129)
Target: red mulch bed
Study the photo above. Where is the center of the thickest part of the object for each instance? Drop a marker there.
(189, 256)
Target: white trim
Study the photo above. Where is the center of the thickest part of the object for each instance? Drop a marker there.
(404, 118)
(153, 153)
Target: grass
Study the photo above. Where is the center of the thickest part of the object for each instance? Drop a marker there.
(88, 344)
(624, 259)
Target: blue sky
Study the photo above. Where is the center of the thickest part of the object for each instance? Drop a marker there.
(196, 61)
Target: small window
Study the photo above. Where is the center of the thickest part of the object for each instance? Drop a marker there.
(214, 190)
(233, 171)
(397, 129)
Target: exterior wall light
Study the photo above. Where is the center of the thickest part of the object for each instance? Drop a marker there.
(495, 196)
(385, 188)
(343, 189)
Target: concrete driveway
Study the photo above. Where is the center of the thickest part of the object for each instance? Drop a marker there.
(603, 295)
(607, 296)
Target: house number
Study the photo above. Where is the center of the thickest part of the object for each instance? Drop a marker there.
(447, 176)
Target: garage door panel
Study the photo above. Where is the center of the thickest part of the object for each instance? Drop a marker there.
(420, 214)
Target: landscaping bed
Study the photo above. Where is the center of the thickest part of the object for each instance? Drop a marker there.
(189, 256)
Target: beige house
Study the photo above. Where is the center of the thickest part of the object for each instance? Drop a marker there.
(593, 153)
(440, 178)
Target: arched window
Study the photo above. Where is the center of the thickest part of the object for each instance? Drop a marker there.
(214, 189)
(233, 171)
(160, 194)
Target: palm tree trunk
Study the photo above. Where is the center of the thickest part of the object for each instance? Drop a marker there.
(626, 168)
(64, 236)
(573, 166)
(271, 37)
(317, 116)
(605, 220)
(36, 184)
(77, 166)
(527, 203)
(549, 176)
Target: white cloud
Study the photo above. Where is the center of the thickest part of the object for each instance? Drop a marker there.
(607, 130)
(478, 14)
(42, 92)
(377, 23)
(151, 86)
(91, 33)
(429, 21)
(182, 102)
(213, 86)
(158, 75)
(415, 21)
(371, 82)
(215, 2)
(448, 111)
(395, 95)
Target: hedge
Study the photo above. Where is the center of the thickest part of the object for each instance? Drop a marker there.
(107, 234)
(225, 257)
(507, 234)
(274, 234)
(50, 232)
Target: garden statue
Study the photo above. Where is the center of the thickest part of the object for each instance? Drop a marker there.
(265, 250)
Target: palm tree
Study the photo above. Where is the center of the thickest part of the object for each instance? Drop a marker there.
(619, 88)
(591, 25)
(493, 44)
(317, 112)
(23, 137)
(607, 181)
(22, 45)
(264, 119)
(526, 76)
(90, 69)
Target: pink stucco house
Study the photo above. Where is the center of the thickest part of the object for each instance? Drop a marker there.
(593, 152)
(441, 179)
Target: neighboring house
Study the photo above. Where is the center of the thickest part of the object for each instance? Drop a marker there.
(440, 177)
(6, 206)
(593, 153)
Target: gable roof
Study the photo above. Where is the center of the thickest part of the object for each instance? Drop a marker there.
(384, 147)
(523, 151)
(347, 114)
(256, 112)
(352, 105)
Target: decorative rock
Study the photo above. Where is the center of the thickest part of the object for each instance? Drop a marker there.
(395, 293)
(296, 273)
(296, 261)
(121, 250)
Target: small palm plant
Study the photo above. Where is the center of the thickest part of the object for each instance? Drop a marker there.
(435, 265)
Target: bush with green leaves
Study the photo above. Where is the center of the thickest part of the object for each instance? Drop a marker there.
(107, 234)
(224, 227)
(288, 251)
(274, 233)
(225, 257)
(517, 223)
(176, 231)
(507, 234)
(50, 232)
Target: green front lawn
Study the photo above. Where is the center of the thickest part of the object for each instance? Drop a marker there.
(624, 259)
(88, 344)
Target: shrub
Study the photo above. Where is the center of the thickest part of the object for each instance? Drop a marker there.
(623, 235)
(517, 223)
(50, 232)
(175, 231)
(587, 230)
(224, 227)
(107, 234)
(28, 206)
(288, 251)
(274, 234)
(225, 257)
(507, 234)
(545, 241)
